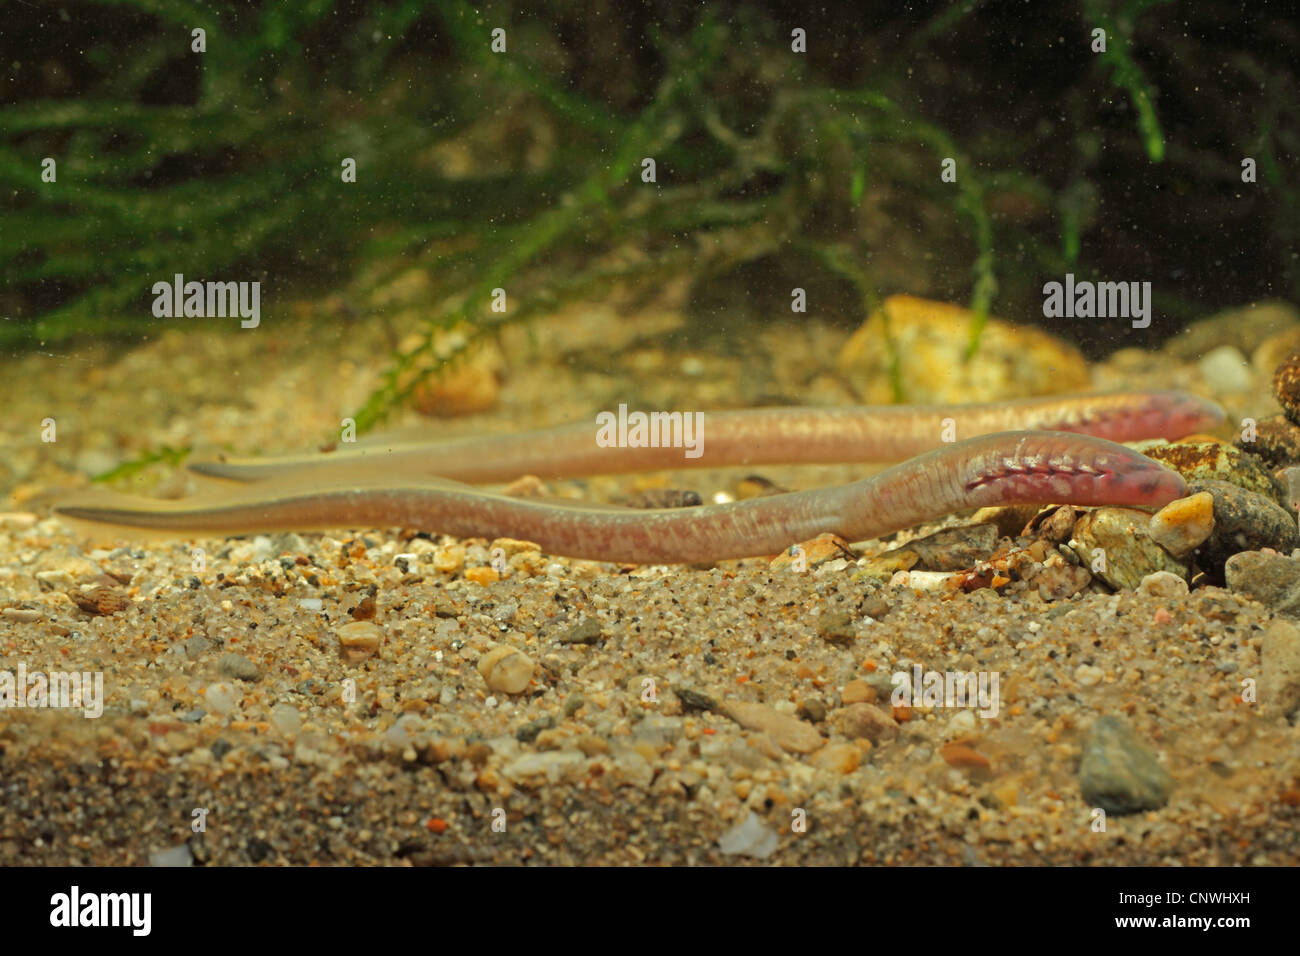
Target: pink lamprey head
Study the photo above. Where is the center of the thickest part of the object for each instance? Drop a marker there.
(1064, 468)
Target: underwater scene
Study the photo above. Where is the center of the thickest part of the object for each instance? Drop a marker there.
(612, 433)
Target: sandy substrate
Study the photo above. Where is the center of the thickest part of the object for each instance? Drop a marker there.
(328, 698)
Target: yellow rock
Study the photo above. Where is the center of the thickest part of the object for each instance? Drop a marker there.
(1275, 349)
(360, 640)
(1183, 525)
(1012, 362)
(484, 576)
(858, 692)
(473, 382)
(809, 554)
(473, 386)
(448, 560)
(842, 758)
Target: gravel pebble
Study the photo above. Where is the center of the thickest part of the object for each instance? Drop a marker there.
(1118, 774)
(1271, 579)
(789, 733)
(221, 698)
(750, 837)
(865, 721)
(506, 670)
(239, 667)
(1279, 665)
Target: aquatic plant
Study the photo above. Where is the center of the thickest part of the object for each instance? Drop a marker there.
(227, 161)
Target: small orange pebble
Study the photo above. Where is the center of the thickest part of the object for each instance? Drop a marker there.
(709, 731)
(902, 713)
(870, 666)
(437, 825)
(483, 576)
(960, 755)
(743, 678)
(1162, 616)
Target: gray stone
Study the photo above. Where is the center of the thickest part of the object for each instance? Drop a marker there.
(586, 631)
(527, 733)
(694, 700)
(1279, 665)
(1271, 579)
(1118, 774)
(836, 627)
(239, 667)
(1244, 521)
(197, 646)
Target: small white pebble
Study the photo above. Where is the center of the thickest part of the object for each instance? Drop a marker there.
(286, 719)
(220, 698)
(1162, 584)
(1088, 675)
(963, 722)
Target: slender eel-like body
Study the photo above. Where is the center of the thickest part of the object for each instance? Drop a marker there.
(1007, 468)
(763, 436)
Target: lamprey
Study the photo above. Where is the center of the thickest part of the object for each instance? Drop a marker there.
(763, 436)
(1007, 468)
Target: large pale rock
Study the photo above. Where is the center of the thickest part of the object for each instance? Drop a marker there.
(932, 337)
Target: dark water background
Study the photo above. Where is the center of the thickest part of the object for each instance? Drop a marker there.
(225, 164)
